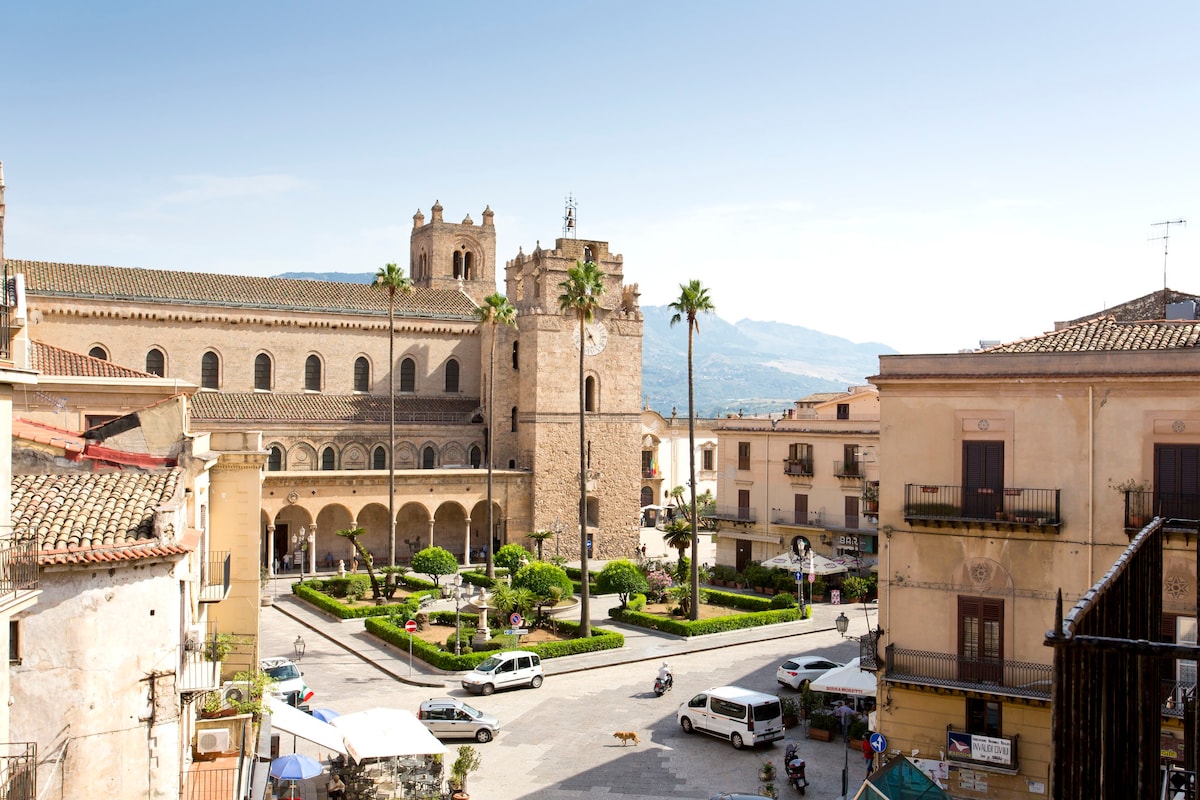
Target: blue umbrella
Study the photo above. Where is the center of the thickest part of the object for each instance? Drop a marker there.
(325, 714)
(295, 767)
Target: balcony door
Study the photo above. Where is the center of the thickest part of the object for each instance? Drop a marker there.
(980, 639)
(983, 479)
(1177, 481)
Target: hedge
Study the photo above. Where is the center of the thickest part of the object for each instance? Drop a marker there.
(684, 627)
(312, 592)
(392, 633)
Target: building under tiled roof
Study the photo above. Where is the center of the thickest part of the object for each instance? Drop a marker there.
(46, 279)
(1107, 333)
(1147, 307)
(252, 407)
(88, 517)
(50, 360)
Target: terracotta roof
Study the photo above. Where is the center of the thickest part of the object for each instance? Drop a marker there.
(313, 407)
(46, 279)
(50, 360)
(1106, 333)
(85, 517)
(1151, 306)
(72, 444)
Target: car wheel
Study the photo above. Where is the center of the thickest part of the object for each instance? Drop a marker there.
(536, 683)
(686, 724)
(736, 739)
(483, 736)
(487, 689)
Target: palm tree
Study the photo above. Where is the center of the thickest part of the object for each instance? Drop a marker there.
(391, 278)
(693, 300)
(678, 535)
(495, 311)
(581, 296)
(540, 537)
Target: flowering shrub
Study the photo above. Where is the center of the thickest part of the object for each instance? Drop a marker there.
(659, 582)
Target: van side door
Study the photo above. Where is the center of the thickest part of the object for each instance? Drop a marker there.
(697, 712)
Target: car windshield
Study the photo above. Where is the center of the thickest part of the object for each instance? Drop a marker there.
(488, 664)
(284, 673)
(474, 712)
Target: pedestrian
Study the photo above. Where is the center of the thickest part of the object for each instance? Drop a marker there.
(354, 564)
(868, 752)
(336, 788)
(287, 562)
(643, 551)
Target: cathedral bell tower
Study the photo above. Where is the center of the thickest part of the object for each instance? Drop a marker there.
(458, 256)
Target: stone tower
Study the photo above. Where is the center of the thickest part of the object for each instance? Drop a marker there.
(446, 255)
(543, 400)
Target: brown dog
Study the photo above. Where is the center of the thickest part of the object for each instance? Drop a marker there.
(626, 737)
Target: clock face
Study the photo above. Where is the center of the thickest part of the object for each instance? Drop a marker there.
(595, 337)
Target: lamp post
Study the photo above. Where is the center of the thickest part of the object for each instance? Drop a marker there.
(842, 622)
(846, 755)
(457, 606)
(300, 540)
(298, 645)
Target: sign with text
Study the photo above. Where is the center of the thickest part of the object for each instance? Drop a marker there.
(976, 747)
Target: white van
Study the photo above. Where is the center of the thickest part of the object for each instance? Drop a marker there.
(742, 716)
(503, 671)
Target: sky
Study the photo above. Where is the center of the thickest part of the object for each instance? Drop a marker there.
(925, 175)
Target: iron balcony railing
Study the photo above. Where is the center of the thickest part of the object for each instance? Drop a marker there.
(993, 675)
(215, 578)
(18, 564)
(203, 783)
(799, 467)
(847, 469)
(1174, 695)
(197, 671)
(734, 514)
(1003, 507)
(6, 303)
(649, 473)
(1141, 507)
(868, 652)
(18, 770)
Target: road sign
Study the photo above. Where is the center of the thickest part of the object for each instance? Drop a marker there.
(812, 577)
(515, 619)
(799, 577)
(878, 742)
(410, 626)
(516, 631)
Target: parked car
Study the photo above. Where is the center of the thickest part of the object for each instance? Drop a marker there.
(743, 716)
(448, 718)
(504, 671)
(798, 671)
(289, 680)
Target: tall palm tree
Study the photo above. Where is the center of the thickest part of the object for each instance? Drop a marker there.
(693, 300)
(581, 297)
(495, 311)
(392, 280)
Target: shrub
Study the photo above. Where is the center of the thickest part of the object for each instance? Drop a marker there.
(783, 600)
(823, 722)
(819, 586)
(657, 582)
(510, 557)
(854, 588)
(539, 577)
(858, 729)
(704, 626)
(637, 602)
(435, 561)
(757, 575)
(622, 578)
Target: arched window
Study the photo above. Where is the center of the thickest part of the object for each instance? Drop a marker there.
(312, 374)
(512, 463)
(328, 459)
(476, 457)
(456, 265)
(98, 352)
(468, 266)
(362, 374)
(647, 496)
(428, 458)
(275, 460)
(262, 371)
(210, 370)
(514, 418)
(516, 362)
(452, 376)
(589, 392)
(156, 362)
(408, 375)
(379, 458)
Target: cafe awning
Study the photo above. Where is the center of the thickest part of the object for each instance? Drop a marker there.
(290, 720)
(818, 565)
(385, 732)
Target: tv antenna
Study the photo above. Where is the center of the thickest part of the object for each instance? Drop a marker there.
(569, 221)
(1166, 238)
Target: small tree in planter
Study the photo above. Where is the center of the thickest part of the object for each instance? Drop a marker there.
(467, 762)
(622, 578)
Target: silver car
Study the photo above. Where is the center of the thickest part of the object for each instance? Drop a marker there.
(448, 718)
(799, 671)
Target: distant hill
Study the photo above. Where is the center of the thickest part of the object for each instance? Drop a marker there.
(750, 367)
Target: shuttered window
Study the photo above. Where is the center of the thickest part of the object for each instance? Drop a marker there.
(983, 479)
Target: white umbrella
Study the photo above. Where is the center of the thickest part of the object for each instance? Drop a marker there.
(297, 723)
(385, 732)
(850, 680)
(818, 565)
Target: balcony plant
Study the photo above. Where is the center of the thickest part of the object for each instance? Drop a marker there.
(870, 496)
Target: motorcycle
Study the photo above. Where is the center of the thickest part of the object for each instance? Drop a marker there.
(793, 765)
(663, 685)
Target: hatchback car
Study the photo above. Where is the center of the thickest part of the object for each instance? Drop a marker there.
(289, 680)
(504, 671)
(448, 718)
(798, 671)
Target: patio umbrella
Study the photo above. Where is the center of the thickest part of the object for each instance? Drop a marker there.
(847, 680)
(816, 564)
(295, 767)
(325, 714)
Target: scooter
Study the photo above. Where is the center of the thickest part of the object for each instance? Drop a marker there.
(793, 765)
(662, 686)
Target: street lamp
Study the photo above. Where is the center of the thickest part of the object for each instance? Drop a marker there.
(846, 752)
(457, 605)
(300, 540)
(842, 622)
(299, 647)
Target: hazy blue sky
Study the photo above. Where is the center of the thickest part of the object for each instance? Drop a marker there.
(923, 174)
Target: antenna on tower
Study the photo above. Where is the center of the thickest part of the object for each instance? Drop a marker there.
(569, 217)
(1166, 238)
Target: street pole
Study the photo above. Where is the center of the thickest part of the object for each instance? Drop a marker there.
(845, 755)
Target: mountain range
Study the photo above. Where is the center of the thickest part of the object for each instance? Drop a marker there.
(747, 367)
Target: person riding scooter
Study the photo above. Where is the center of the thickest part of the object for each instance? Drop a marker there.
(665, 679)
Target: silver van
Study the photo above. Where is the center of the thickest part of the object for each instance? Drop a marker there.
(503, 671)
(742, 716)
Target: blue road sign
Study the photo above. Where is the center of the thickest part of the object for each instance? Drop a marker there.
(878, 742)
(515, 619)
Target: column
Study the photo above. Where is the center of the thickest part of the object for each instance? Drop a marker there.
(467, 543)
(312, 548)
(271, 549)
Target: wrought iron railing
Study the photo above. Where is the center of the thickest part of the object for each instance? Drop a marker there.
(18, 564)
(1141, 507)
(1008, 506)
(215, 578)
(800, 467)
(847, 469)
(1174, 695)
(200, 783)
(6, 309)
(998, 676)
(18, 770)
(198, 672)
(734, 513)
(868, 652)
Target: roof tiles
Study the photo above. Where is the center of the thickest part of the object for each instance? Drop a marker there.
(313, 407)
(1106, 334)
(50, 360)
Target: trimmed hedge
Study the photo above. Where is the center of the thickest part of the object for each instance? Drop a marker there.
(684, 627)
(392, 633)
(314, 592)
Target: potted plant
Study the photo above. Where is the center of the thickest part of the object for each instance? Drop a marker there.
(857, 731)
(766, 773)
(822, 726)
(870, 497)
(819, 589)
(791, 711)
(1136, 510)
(264, 578)
(467, 762)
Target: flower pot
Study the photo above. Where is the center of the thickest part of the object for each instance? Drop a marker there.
(820, 734)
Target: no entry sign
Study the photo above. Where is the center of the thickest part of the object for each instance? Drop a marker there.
(410, 626)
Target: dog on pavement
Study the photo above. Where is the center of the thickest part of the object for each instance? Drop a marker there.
(627, 736)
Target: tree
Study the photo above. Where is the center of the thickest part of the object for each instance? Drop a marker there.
(352, 534)
(622, 578)
(581, 296)
(435, 561)
(495, 311)
(548, 583)
(392, 280)
(539, 537)
(678, 535)
(693, 301)
(511, 557)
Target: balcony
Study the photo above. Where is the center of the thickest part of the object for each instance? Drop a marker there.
(1174, 695)
(1008, 508)
(948, 670)
(734, 514)
(1182, 511)
(197, 672)
(798, 467)
(848, 469)
(214, 584)
(650, 474)
(18, 770)
(212, 780)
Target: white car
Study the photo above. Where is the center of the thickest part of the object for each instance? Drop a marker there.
(798, 671)
(504, 671)
(289, 683)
